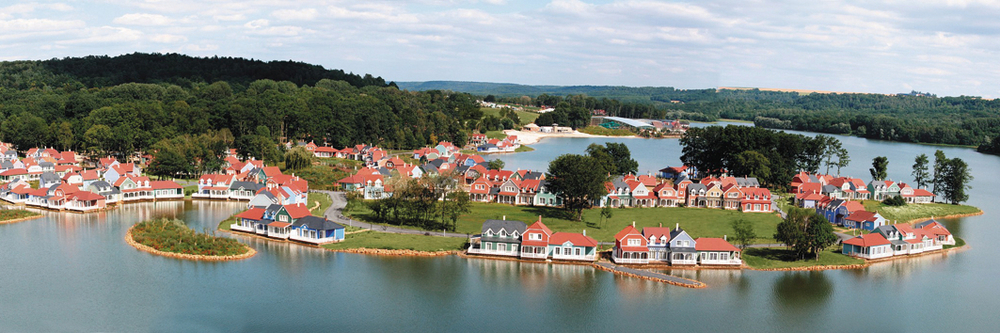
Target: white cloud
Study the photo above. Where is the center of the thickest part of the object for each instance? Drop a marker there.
(296, 15)
(230, 17)
(35, 25)
(105, 34)
(143, 19)
(255, 24)
(168, 39)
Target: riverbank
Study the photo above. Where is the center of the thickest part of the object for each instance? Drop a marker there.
(141, 247)
(170, 238)
(911, 213)
(528, 138)
(17, 215)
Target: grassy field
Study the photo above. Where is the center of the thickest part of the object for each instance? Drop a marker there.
(13, 214)
(525, 116)
(173, 236)
(496, 135)
(380, 240)
(188, 190)
(915, 211)
(523, 149)
(324, 203)
(324, 177)
(698, 222)
(224, 224)
(765, 258)
(598, 130)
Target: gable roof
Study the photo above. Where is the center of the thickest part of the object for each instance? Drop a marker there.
(572, 237)
(861, 216)
(252, 214)
(509, 225)
(629, 230)
(297, 211)
(872, 239)
(714, 244)
(656, 232)
(317, 223)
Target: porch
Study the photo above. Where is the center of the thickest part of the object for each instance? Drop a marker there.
(630, 257)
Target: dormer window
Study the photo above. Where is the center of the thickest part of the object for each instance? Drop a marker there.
(503, 233)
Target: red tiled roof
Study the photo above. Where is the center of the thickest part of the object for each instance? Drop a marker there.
(656, 232)
(297, 211)
(573, 238)
(629, 230)
(272, 171)
(279, 224)
(713, 244)
(84, 196)
(904, 228)
(872, 239)
(853, 206)
(861, 216)
(14, 172)
(163, 184)
(252, 214)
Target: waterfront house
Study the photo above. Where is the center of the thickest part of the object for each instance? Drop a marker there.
(572, 246)
(864, 219)
(630, 247)
(658, 243)
(316, 230)
(251, 220)
(868, 246)
(918, 195)
(717, 251)
(882, 189)
(166, 190)
(84, 201)
(499, 237)
(674, 173)
(936, 230)
(682, 247)
(111, 194)
(535, 242)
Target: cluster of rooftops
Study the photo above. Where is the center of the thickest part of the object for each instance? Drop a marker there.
(62, 184)
(838, 199)
(899, 240)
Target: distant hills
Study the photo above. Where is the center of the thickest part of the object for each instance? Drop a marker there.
(621, 93)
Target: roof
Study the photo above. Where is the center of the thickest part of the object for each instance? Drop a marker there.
(537, 226)
(656, 232)
(85, 196)
(713, 244)
(862, 216)
(509, 225)
(272, 171)
(629, 230)
(297, 211)
(163, 184)
(279, 224)
(630, 122)
(573, 238)
(252, 214)
(872, 239)
(317, 223)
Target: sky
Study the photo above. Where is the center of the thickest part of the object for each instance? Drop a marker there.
(947, 47)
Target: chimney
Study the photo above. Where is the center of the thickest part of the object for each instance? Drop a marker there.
(677, 227)
(505, 217)
(633, 224)
(724, 238)
(584, 232)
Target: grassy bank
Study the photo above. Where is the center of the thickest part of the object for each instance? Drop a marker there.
(698, 222)
(14, 214)
(224, 224)
(910, 212)
(771, 258)
(523, 149)
(598, 130)
(324, 176)
(174, 237)
(958, 243)
(380, 240)
(324, 202)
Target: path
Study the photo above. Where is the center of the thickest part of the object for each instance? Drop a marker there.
(652, 275)
(336, 213)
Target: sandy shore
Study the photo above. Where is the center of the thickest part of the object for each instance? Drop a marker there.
(528, 138)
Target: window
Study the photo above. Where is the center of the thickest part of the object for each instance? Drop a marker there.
(503, 233)
(557, 250)
(535, 236)
(489, 233)
(577, 252)
(502, 247)
(634, 242)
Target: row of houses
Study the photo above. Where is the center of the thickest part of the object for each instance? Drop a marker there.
(838, 198)
(661, 245)
(509, 238)
(507, 145)
(899, 240)
(69, 187)
(367, 153)
(291, 222)
(731, 193)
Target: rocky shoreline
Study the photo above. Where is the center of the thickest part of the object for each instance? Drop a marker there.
(128, 239)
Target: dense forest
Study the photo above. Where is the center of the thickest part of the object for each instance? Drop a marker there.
(144, 102)
(910, 117)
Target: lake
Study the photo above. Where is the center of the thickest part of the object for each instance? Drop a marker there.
(70, 272)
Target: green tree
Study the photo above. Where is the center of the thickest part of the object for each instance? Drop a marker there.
(940, 163)
(743, 232)
(819, 234)
(496, 164)
(579, 179)
(752, 164)
(64, 135)
(843, 159)
(456, 204)
(622, 158)
(298, 158)
(805, 231)
(606, 214)
(879, 166)
(920, 173)
(601, 156)
(956, 181)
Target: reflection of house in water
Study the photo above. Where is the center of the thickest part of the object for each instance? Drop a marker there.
(900, 267)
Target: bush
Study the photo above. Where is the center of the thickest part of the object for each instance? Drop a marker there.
(895, 201)
(175, 237)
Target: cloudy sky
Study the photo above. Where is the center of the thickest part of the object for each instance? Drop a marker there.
(948, 47)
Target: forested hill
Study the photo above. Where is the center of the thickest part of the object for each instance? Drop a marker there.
(105, 71)
(654, 95)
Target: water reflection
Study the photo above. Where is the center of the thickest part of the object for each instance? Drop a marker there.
(800, 292)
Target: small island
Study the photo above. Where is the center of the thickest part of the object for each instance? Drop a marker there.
(171, 238)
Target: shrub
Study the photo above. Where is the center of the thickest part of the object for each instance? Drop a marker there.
(895, 201)
(175, 237)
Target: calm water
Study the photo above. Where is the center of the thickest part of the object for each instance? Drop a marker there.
(75, 273)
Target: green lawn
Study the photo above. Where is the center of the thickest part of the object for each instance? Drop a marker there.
(910, 212)
(190, 189)
(766, 258)
(523, 149)
(496, 135)
(173, 236)
(381, 240)
(598, 130)
(698, 222)
(224, 224)
(13, 214)
(324, 177)
(526, 117)
(324, 203)
(958, 243)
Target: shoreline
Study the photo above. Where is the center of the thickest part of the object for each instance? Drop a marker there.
(197, 257)
(530, 138)
(23, 219)
(952, 216)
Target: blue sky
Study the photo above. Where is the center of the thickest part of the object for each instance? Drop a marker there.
(947, 47)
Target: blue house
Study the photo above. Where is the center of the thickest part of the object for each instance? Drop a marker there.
(316, 230)
(682, 248)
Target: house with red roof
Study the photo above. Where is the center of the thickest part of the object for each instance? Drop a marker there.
(868, 246)
(325, 152)
(630, 247)
(85, 201)
(658, 243)
(641, 196)
(479, 190)
(535, 241)
(573, 246)
(732, 195)
(717, 251)
(508, 192)
(477, 139)
(666, 195)
(166, 190)
(756, 200)
(864, 219)
(918, 195)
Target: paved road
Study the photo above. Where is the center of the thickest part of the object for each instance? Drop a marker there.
(335, 214)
